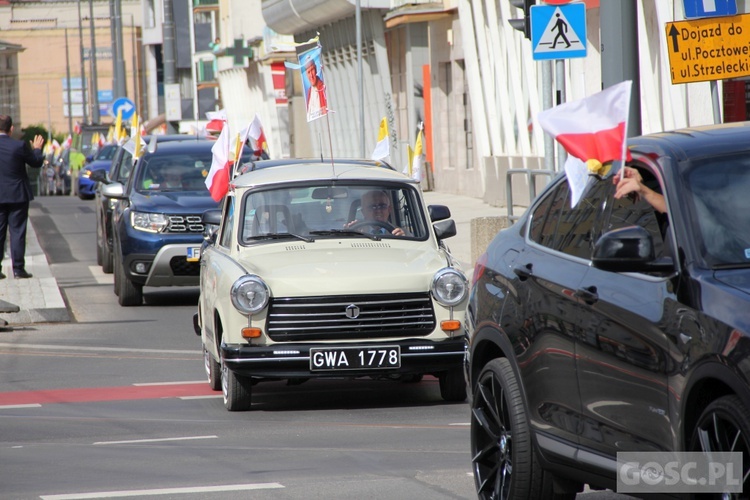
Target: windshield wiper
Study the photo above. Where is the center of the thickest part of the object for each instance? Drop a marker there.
(279, 236)
(347, 232)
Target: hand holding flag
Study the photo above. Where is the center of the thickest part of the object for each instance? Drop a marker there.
(593, 131)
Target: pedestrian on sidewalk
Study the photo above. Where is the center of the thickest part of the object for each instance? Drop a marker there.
(15, 192)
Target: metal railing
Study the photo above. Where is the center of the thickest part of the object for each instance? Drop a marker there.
(531, 175)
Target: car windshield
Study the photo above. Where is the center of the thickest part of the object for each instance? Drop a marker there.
(718, 191)
(324, 210)
(176, 172)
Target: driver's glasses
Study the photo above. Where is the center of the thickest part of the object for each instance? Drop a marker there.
(379, 206)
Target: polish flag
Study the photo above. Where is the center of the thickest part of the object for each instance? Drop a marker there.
(217, 180)
(592, 129)
(256, 133)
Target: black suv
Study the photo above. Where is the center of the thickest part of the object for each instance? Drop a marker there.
(157, 230)
(613, 327)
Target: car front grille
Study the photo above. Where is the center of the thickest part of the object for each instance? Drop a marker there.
(185, 224)
(181, 267)
(350, 317)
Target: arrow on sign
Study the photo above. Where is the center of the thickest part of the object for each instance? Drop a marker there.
(673, 32)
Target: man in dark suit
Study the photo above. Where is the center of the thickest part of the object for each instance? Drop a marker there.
(15, 192)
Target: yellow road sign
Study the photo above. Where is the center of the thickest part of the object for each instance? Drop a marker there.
(716, 48)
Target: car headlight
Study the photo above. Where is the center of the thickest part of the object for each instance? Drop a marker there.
(86, 174)
(449, 286)
(152, 223)
(250, 294)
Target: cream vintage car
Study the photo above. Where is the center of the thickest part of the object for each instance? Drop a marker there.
(300, 280)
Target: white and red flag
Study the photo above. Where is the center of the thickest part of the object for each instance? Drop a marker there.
(256, 133)
(592, 129)
(217, 180)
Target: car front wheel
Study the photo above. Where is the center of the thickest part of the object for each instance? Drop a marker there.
(502, 452)
(453, 385)
(724, 426)
(237, 390)
(128, 293)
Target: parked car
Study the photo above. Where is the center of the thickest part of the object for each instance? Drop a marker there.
(610, 327)
(119, 171)
(102, 160)
(156, 223)
(329, 268)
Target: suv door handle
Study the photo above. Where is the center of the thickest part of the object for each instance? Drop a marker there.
(588, 295)
(523, 272)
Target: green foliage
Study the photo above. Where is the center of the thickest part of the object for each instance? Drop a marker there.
(29, 132)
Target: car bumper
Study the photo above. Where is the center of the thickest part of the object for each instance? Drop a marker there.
(294, 361)
(169, 267)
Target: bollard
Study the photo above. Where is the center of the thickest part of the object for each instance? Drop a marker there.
(483, 231)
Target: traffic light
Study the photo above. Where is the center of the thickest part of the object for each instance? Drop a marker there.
(522, 23)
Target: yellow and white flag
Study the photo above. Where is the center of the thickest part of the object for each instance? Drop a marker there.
(417, 163)
(383, 147)
(118, 126)
(135, 133)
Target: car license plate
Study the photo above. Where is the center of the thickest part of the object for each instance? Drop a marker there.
(193, 254)
(355, 358)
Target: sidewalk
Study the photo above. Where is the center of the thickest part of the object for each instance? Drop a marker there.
(39, 297)
(40, 300)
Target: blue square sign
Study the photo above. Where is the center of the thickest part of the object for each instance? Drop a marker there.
(695, 9)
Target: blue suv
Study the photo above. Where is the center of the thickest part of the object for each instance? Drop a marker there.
(156, 223)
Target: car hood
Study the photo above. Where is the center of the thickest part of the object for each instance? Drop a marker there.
(341, 267)
(738, 279)
(193, 202)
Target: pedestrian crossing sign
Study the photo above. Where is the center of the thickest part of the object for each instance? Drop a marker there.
(558, 31)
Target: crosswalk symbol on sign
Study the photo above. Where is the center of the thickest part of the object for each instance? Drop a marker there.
(558, 32)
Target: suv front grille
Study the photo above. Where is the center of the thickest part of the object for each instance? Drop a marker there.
(181, 267)
(185, 224)
(336, 318)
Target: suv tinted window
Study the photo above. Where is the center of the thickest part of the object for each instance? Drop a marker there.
(547, 214)
(578, 227)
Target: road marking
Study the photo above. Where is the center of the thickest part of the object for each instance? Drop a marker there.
(33, 405)
(97, 394)
(164, 491)
(103, 349)
(156, 440)
(461, 423)
(100, 277)
(146, 384)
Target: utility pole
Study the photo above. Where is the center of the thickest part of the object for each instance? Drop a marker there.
(83, 65)
(619, 53)
(119, 86)
(67, 75)
(169, 53)
(360, 82)
(94, 73)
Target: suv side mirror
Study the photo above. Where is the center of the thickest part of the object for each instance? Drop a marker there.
(211, 221)
(628, 249)
(114, 190)
(445, 229)
(99, 175)
(438, 212)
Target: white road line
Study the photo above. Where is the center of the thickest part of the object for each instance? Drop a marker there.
(5, 345)
(30, 405)
(164, 491)
(146, 384)
(461, 423)
(213, 396)
(184, 438)
(100, 277)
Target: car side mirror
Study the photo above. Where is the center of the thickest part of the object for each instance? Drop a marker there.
(628, 249)
(211, 221)
(445, 229)
(438, 212)
(99, 175)
(114, 190)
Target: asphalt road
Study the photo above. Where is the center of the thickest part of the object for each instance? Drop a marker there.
(115, 404)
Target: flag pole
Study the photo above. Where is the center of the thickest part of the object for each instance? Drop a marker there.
(623, 156)
(330, 143)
